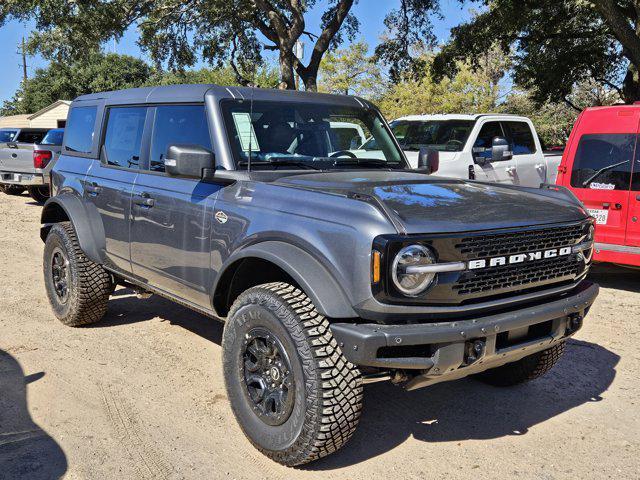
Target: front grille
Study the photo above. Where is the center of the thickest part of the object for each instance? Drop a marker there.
(494, 245)
(518, 276)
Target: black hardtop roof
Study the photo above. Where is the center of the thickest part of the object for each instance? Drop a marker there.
(196, 93)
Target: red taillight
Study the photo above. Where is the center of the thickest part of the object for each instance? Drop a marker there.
(41, 158)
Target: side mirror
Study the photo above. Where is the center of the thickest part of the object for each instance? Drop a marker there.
(429, 160)
(500, 150)
(189, 161)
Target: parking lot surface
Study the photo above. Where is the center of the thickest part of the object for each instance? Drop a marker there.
(140, 395)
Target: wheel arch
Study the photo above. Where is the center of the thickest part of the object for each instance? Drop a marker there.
(278, 261)
(89, 231)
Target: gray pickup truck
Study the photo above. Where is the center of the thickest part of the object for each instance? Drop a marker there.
(329, 270)
(26, 158)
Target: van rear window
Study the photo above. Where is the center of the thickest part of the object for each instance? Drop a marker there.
(604, 162)
(79, 131)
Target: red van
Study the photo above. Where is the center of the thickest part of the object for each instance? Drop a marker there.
(601, 165)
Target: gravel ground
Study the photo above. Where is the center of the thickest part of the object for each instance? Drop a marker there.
(140, 395)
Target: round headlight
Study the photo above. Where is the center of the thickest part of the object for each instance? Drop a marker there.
(410, 281)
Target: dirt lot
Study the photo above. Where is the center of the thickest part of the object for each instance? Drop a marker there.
(140, 395)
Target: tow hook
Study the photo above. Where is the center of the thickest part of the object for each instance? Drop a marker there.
(574, 323)
(474, 351)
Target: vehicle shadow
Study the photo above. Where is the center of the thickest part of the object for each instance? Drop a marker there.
(613, 276)
(26, 451)
(451, 411)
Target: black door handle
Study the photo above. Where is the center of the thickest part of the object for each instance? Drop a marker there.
(144, 200)
(93, 188)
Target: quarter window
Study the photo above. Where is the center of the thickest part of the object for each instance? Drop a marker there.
(80, 125)
(177, 124)
(520, 138)
(123, 137)
(604, 162)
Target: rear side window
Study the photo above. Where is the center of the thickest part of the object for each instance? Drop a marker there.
(520, 137)
(80, 125)
(30, 137)
(123, 138)
(604, 162)
(177, 124)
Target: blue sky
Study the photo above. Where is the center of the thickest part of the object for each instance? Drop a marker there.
(371, 26)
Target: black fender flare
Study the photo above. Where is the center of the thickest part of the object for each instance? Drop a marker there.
(314, 279)
(85, 219)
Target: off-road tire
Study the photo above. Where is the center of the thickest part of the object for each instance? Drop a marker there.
(525, 369)
(12, 189)
(40, 193)
(328, 389)
(89, 285)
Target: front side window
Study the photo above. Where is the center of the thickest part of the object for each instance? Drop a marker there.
(80, 129)
(7, 135)
(123, 138)
(177, 124)
(443, 135)
(604, 161)
(53, 137)
(306, 135)
(520, 137)
(484, 142)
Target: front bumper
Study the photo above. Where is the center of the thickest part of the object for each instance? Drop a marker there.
(453, 349)
(21, 178)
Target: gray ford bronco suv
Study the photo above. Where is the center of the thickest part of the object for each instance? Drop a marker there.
(332, 266)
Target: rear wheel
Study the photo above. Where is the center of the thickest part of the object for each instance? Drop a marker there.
(525, 369)
(294, 394)
(39, 193)
(78, 289)
(12, 189)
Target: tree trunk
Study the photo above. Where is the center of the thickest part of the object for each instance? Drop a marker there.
(631, 84)
(287, 79)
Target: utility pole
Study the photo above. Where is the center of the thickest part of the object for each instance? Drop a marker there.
(23, 51)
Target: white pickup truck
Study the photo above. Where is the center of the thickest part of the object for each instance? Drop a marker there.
(465, 145)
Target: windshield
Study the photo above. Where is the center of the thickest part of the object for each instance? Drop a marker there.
(443, 135)
(307, 135)
(53, 137)
(7, 135)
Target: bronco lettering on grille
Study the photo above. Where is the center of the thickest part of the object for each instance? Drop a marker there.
(519, 258)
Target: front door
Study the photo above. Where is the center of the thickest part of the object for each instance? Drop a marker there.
(170, 232)
(109, 182)
(503, 171)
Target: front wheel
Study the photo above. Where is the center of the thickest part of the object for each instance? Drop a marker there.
(292, 391)
(40, 193)
(525, 369)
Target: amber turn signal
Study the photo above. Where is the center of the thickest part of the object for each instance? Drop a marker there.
(375, 266)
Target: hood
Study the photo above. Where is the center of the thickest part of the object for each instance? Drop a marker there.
(426, 204)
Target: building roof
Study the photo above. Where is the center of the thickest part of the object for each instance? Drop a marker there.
(47, 108)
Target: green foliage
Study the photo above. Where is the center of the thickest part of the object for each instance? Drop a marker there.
(465, 92)
(554, 44)
(351, 71)
(265, 77)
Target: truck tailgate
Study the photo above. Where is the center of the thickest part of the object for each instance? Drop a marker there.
(552, 161)
(19, 160)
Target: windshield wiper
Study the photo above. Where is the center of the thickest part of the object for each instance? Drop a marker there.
(280, 162)
(601, 171)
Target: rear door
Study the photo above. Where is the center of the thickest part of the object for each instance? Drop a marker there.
(109, 183)
(600, 174)
(530, 166)
(633, 221)
(503, 171)
(170, 232)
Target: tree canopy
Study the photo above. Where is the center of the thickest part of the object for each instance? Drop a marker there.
(178, 33)
(555, 44)
(351, 71)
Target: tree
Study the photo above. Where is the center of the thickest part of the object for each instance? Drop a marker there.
(351, 71)
(555, 44)
(176, 33)
(465, 92)
(62, 81)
